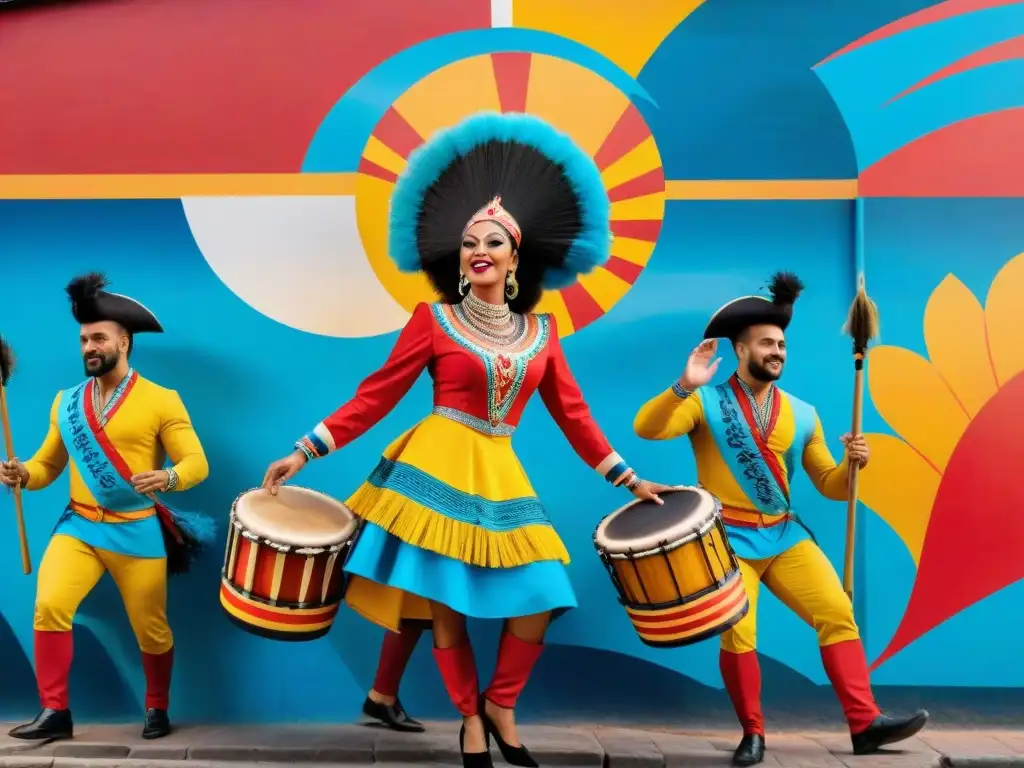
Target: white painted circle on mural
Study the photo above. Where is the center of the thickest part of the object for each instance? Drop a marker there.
(298, 260)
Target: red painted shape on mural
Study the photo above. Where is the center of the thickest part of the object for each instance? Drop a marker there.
(648, 183)
(370, 168)
(629, 131)
(583, 308)
(512, 75)
(638, 229)
(394, 131)
(165, 86)
(979, 157)
(1007, 50)
(624, 270)
(976, 533)
(925, 16)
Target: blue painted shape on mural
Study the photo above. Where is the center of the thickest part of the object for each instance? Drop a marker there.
(863, 80)
(338, 143)
(913, 245)
(101, 692)
(737, 96)
(993, 88)
(18, 692)
(247, 413)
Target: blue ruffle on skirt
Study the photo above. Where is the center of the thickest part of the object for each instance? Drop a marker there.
(482, 593)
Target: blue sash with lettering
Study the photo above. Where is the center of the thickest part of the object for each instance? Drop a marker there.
(739, 451)
(136, 538)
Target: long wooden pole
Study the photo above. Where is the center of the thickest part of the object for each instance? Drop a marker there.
(19, 513)
(851, 503)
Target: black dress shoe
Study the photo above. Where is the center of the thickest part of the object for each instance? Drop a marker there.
(157, 724)
(50, 724)
(887, 730)
(750, 751)
(519, 756)
(393, 716)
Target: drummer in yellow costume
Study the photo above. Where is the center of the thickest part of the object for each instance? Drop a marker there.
(748, 438)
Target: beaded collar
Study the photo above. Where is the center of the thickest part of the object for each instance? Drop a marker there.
(495, 324)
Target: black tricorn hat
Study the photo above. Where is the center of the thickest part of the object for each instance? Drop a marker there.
(739, 314)
(91, 304)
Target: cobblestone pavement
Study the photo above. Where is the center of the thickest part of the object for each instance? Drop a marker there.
(106, 746)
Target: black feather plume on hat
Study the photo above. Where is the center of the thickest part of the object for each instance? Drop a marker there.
(83, 292)
(785, 288)
(90, 303)
(739, 314)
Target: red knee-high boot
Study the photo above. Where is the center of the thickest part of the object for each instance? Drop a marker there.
(458, 670)
(394, 658)
(742, 677)
(157, 667)
(516, 659)
(847, 670)
(53, 652)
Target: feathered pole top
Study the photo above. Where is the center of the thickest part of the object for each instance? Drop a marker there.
(7, 362)
(775, 309)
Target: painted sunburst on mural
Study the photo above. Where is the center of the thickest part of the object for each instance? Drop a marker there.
(948, 485)
(598, 116)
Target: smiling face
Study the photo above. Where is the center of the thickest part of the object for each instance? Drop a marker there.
(488, 253)
(103, 345)
(762, 352)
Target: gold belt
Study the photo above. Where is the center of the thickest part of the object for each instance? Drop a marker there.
(747, 518)
(101, 515)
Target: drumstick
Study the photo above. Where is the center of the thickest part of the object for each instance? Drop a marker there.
(6, 370)
(862, 325)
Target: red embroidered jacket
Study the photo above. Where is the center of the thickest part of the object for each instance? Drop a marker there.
(483, 386)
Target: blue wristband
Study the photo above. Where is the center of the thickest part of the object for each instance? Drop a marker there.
(679, 391)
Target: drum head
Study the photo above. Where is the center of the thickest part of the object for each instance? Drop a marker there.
(296, 516)
(643, 525)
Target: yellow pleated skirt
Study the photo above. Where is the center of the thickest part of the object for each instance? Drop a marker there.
(450, 516)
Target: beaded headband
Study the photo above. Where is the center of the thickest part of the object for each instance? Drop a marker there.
(494, 211)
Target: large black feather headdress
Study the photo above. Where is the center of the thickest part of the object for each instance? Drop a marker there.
(548, 184)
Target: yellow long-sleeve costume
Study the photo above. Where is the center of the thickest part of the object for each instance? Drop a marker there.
(770, 545)
(747, 451)
(746, 456)
(147, 424)
(144, 424)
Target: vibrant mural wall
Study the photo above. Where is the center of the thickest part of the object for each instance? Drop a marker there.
(230, 164)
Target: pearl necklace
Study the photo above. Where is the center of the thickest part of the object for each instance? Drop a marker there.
(495, 323)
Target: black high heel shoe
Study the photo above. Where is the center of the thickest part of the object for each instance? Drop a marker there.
(475, 759)
(518, 756)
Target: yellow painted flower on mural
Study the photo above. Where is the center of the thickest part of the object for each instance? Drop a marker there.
(949, 483)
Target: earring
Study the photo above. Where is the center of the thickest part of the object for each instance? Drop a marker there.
(511, 285)
(463, 284)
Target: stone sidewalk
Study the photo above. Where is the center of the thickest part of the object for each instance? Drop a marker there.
(98, 746)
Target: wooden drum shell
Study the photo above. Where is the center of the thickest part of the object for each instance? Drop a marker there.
(279, 591)
(682, 592)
